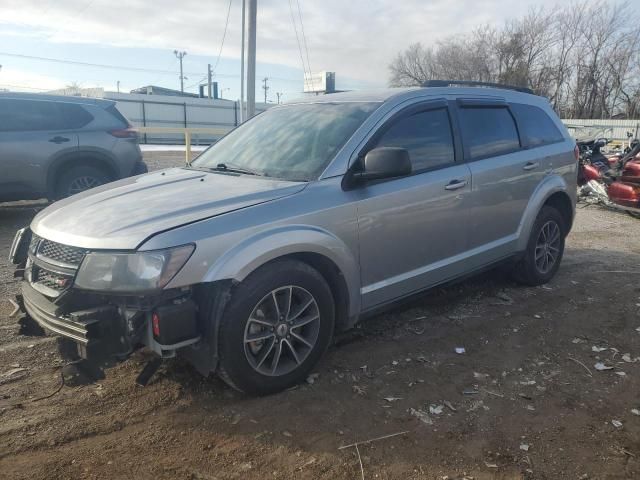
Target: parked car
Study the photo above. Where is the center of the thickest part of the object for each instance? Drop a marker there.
(304, 220)
(56, 146)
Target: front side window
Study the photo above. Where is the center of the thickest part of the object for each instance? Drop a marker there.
(535, 125)
(292, 142)
(488, 131)
(426, 135)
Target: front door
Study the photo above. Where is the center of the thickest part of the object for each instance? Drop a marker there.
(412, 230)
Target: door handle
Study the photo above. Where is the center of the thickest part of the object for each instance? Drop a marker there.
(58, 139)
(530, 165)
(455, 184)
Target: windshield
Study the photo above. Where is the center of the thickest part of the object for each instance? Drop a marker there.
(292, 142)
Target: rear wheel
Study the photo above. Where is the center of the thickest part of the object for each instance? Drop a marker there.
(545, 248)
(78, 179)
(276, 327)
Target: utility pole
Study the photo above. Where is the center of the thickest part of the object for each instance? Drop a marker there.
(244, 24)
(118, 86)
(251, 59)
(265, 87)
(209, 78)
(180, 56)
(279, 94)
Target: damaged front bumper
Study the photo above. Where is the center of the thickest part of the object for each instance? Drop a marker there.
(105, 327)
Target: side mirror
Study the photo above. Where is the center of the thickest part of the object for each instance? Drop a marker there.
(385, 162)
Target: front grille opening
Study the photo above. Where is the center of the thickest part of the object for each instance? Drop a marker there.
(56, 252)
(52, 280)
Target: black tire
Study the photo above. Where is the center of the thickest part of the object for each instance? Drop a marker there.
(527, 271)
(286, 277)
(73, 180)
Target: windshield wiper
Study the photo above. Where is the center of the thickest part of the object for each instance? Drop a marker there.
(230, 167)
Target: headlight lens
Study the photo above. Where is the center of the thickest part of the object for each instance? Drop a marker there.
(132, 272)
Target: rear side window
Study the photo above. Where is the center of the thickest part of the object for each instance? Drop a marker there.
(488, 131)
(427, 137)
(37, 115)
(536, 128)
(116, 113)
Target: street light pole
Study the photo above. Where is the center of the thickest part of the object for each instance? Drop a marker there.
(251, 59)
(244, 23)
(180, 56)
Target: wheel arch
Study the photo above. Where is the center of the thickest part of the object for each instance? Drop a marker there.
(93, 158)
(553, 191)
(309, 244)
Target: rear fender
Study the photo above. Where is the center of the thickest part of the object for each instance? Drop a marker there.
(550, 185)
(245, 257)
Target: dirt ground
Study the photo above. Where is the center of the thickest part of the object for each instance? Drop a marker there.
(525, 401)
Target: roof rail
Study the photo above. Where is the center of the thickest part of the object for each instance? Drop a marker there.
(448, 83)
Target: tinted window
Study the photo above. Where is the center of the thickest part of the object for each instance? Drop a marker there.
(488, 132)
(427, 136)
(36, 115)
(536, 128)
(116, 113)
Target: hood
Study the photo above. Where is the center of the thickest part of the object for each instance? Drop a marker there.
(121, 215)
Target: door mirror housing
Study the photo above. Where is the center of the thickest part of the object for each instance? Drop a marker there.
(385, 162)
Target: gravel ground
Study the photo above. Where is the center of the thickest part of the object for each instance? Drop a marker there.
(524, 402)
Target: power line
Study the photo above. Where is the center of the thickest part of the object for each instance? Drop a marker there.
(295, 29)
(224, 35)
(304, 37)
(122, 67)
(87, 64)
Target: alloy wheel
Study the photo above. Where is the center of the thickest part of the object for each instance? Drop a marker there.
(547, 248)
(282, 330)
(80, 184)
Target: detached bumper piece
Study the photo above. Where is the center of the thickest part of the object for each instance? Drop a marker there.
(99, 332)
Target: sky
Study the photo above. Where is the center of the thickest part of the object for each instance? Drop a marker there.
(357, 39)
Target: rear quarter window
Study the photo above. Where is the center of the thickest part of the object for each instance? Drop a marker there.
(114, 112)
(488, 131)
(536, 128)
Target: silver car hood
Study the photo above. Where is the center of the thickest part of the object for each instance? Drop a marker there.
(121, 215)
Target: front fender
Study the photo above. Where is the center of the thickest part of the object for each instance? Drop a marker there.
(550, 185)
(253, 252)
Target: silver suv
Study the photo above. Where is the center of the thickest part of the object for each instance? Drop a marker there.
(301, 222)
(55, 146)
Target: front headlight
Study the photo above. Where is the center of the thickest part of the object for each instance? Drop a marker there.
(131, 272)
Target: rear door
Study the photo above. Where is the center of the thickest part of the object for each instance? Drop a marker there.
(504, 177)
(32, 133)
(411, 229)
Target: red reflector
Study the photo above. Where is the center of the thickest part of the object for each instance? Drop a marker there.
(128, 132)
(155, 324)
(576, 153)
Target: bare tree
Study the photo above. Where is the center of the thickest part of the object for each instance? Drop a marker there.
(585, 57)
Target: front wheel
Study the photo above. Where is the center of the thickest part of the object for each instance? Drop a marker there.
(276, 327)
(545, 248)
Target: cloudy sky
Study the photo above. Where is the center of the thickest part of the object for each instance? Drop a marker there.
(355, 38)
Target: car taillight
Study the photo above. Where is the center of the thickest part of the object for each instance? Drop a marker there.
(576, 153)
(128, 132)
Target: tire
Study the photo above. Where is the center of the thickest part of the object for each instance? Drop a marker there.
(531, 269)
(78, 179)
(301, 334)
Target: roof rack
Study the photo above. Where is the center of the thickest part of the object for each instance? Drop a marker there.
(448, 83)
